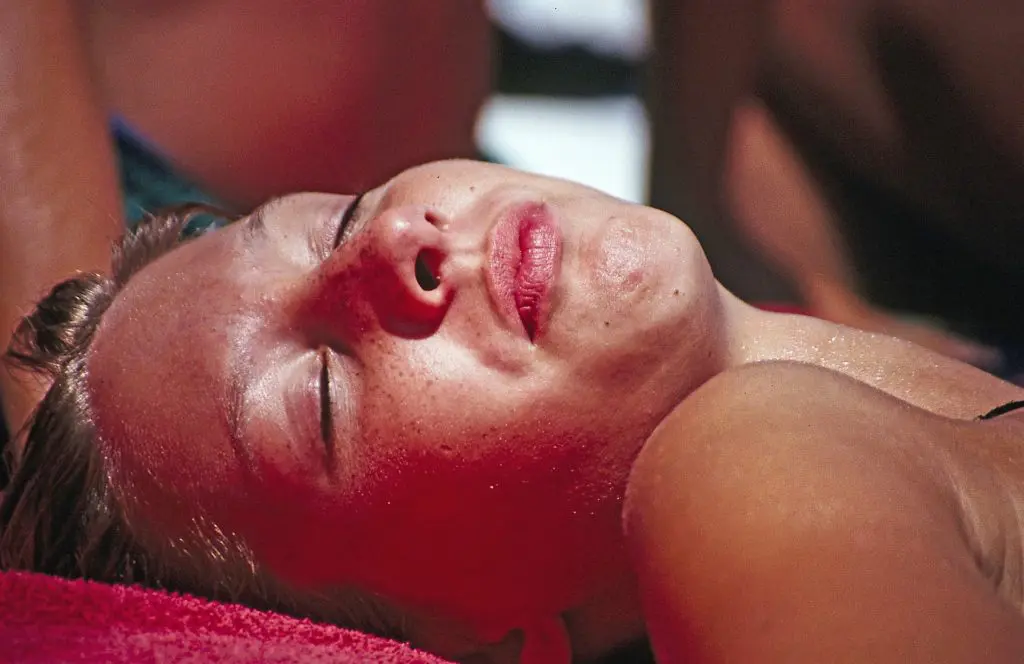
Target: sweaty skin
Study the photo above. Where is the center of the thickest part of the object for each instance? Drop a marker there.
(784, 513)
(463, 474)
(444, 413)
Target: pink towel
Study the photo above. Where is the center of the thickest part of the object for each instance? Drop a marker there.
(46, 619)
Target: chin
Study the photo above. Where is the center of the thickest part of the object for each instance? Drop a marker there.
(653, 277)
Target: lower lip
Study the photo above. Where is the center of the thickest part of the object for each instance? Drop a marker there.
(525, 254)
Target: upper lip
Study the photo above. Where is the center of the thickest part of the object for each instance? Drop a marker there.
(505, 258)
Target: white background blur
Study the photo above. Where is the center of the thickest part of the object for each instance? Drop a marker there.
(601, 142)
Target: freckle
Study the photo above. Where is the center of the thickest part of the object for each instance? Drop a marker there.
(606, 323)
(472, 188)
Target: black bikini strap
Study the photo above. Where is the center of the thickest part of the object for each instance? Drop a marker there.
(1002, 410)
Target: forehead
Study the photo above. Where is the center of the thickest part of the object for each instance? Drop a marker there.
(156, 369)
(176, 320)
(161, 366)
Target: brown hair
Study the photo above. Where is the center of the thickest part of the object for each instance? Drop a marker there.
(59, 513)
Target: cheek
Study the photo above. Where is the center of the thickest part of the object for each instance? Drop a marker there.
(431, 397)
(462, 506)
(475, 483)
(444, 535)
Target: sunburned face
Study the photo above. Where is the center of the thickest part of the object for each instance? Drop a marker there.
(441, 410)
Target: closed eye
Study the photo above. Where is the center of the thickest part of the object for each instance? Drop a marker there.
(346, 220)
(326, 410)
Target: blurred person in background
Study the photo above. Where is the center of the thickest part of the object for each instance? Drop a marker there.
(864, 158)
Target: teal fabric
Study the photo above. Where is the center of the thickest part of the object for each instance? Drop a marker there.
(149, 183)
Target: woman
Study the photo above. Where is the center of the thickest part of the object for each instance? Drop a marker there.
(506, 416)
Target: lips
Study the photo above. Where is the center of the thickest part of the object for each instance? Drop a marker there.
(525, 253)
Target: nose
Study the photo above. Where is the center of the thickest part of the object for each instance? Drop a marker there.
(389, 276)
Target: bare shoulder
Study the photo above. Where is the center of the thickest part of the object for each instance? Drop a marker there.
(777, 420)
(787, 513)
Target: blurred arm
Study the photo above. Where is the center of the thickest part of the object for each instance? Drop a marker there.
(721, 162)
(59, 205)
(777, 205)
(705, 63)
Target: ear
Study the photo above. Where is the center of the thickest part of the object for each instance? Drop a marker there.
(546, 642)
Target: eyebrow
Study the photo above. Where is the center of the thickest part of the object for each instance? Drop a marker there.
(255, 227)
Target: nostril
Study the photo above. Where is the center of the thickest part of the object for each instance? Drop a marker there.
(428, 264)
(433, 219)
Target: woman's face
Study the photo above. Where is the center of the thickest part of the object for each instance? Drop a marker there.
(442, 410)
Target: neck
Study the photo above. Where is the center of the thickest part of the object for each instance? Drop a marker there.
(899, 368)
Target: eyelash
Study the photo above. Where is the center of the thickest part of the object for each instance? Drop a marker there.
(346, 219)
(326, 417)
(326, 412)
